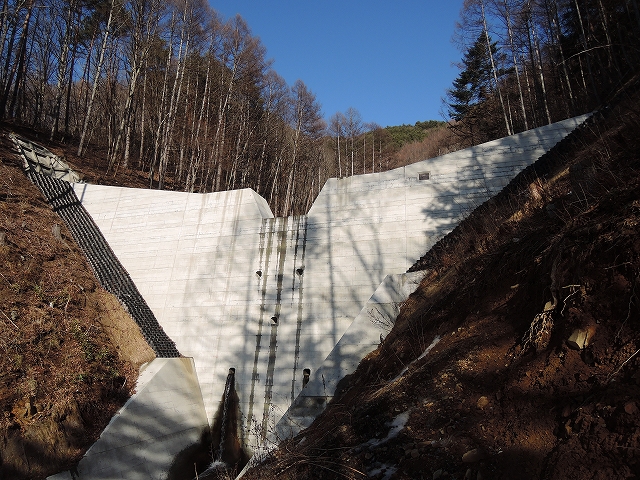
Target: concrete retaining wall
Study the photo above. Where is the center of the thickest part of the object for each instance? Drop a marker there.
(165, 416)
(363, 336)
(235, 287)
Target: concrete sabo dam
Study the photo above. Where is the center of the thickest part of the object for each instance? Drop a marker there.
(234, 287)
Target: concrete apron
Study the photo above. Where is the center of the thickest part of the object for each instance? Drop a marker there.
(165, 416)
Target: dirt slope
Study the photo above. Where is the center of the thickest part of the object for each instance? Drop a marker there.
(502, 394)
(69, 353)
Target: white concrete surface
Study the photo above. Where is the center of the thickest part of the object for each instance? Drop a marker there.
(216, 268)
(363, 336)
(165, 416)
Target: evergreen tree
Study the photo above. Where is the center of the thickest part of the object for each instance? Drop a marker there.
(471, 88)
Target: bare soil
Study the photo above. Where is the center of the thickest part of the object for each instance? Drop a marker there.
(69, 352)
(503, 394)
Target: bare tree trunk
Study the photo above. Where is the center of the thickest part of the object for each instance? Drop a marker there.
(16, 68)
(180, 167)
(515, 63)
(555, 26)
(125, 120)
(4, 30)
(288, 196)
(161, 106)
(62, 72)
(493, 69)
(96, 79)
(19, 87)
(536, 46)
(143, 114)
(364, 153)
(352, 156)
(605, 26)
(7, 63)
(67, 108)
(175, 99)
(373, 152)
(339, 162)
(636, 10)
(585, 48)
(194, 166)
(218, 139)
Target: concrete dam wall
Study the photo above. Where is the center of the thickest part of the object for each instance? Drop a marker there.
(234, 287)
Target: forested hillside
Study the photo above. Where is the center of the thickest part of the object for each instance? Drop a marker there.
(174, 91)
(189, 99)
(528, 63)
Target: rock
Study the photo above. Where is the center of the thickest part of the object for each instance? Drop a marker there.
(568, 430)
(482, 402)
(55, 230)
(630, 407)
(473, 456)
(438, 474)
(566, 411)
(468, 475)
(415, 453)
(581, 337)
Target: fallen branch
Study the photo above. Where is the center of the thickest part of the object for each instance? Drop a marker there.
(623, 364)
(7, 317)
(633, 295)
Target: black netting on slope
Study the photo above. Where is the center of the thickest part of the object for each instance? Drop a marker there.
(106, 266)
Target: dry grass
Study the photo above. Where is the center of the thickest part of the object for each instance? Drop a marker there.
(70, 352)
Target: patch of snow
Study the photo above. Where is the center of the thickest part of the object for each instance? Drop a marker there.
(428, 349)
(397, 424)
(388, 471)
(424, 354)
(215, 467)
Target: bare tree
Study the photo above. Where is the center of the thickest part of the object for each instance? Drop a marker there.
(17, 69)
(144, 25)
(105, 38)
(337, 124)
(353, 128)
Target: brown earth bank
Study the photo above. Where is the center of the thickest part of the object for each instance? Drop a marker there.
(506, 392)
(69, 352)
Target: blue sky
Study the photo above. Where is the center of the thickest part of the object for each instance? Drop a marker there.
(390, 60)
